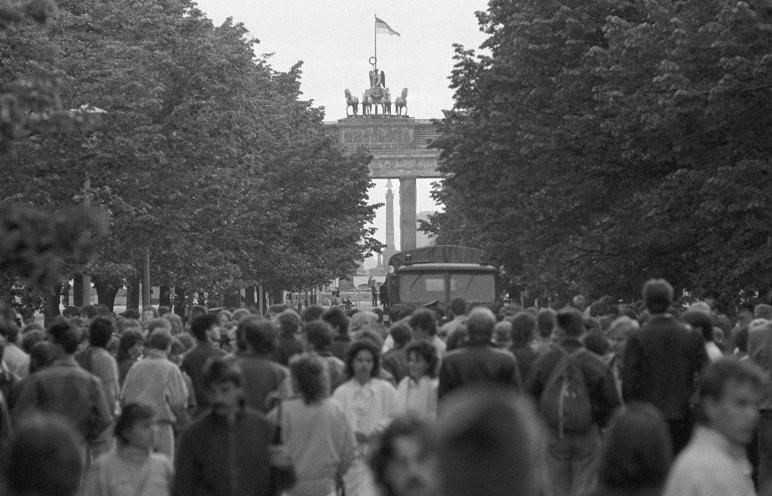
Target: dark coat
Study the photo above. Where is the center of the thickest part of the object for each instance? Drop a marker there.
(598, 377)
(480, 363)
(662, 364)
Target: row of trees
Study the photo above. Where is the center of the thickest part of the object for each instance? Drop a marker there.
(196, 149)
(616, 141)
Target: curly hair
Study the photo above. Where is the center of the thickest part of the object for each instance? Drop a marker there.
(311, 377)
(353, 351)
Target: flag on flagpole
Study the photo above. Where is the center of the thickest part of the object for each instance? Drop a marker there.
(382, 27)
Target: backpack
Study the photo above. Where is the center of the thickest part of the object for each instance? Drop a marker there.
(565, 402)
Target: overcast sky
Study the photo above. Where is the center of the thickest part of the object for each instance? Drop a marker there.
(334, 39)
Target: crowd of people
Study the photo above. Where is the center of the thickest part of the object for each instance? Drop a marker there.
(650, 398)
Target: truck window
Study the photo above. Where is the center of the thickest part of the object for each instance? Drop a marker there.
(421, 288)
(473, 287)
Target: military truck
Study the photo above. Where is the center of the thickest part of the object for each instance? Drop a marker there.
(438, 274)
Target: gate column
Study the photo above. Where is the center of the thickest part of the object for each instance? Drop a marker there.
(407, 213)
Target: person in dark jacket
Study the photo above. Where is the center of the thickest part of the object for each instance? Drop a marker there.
(662, 363)
(571, 456)
(230, 449)
(479, 361)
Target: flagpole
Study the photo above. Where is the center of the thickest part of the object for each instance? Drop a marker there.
(375, 41)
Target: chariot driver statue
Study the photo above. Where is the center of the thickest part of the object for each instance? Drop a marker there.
(377, 78)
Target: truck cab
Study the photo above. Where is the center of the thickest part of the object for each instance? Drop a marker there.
(438, 274)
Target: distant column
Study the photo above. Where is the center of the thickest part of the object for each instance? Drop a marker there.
(407, 206)
(390, 248)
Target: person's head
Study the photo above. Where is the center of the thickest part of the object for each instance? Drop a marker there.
(570, 323)
(545, 321)
(160, 340)
(701, 323)
(480, 325)
(579, 302)
(258, 334)
(762, 311)
(363, 360)
(70, 312)
(637, 452)
(130, 313)
(64, 335)
(310, 377)
(289, 323)
(599, 309)
(240, 314)
(523, 326)
(337, 319)
(488, 443)
(458, 306)
(317, 336)
(401, 333)
(222, 385)
(42, 355)
(596, 342)
(149, 313)
(129, 325)
(158, 324)
(9, 332)
(403, 461)
(131, 344)
(100, 330)
(136, 426)
(657, 295)
(176, 350)
(741, 339)
(176, 323)
(730, 394)
(198, 310)
(205, 328)
(421, 359)
(424, 323)
(30, 339)
(44, 458)
(619, 332)
(312, 312)
(502, 334)
(361, 320)
(163, 310)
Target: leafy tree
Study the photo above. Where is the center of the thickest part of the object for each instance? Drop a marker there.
(627, 140)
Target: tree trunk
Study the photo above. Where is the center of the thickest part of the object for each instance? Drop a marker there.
(106, 294)
(164, 296)
(64, 294)
(250, 297)
(132, 295)
(232, 300)
(51, 304)
(275, 296)
(180, 305)
(77, 290)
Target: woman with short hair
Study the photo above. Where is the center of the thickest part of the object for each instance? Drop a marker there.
(315, 430)
(132, 468)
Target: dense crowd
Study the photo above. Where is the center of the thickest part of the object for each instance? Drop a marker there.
(651, 398)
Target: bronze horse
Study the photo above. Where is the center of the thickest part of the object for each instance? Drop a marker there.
(351, 101)
(401, 103)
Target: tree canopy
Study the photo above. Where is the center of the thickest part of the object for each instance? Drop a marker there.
(616, 141)
(194, 146)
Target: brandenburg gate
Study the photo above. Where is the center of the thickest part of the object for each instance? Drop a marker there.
(399, 146)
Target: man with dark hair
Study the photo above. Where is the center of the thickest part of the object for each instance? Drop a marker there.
(263, 379)
(662, 361)
(230, 450)
(312, 312)
(157, 382)
(14, 358)
(479, 362)
(714, 461)
(66, 389)
(573, 428)
(288, 344)
(206, 329)
(458, 312)
(545, 322)
(44, 459)
(97, 360)
(424, 325)
(318, 340)
(523, 326)
(395, 360)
